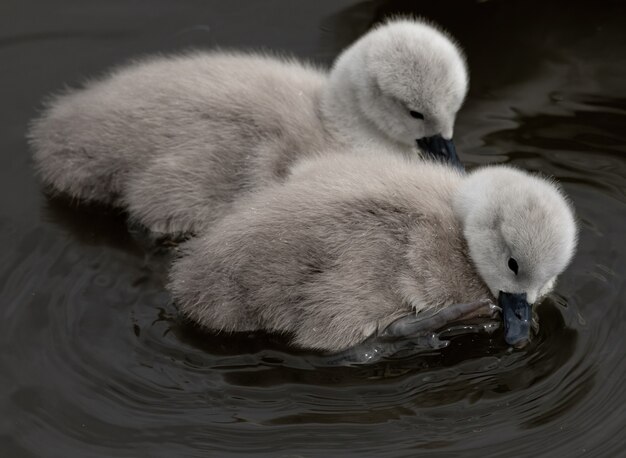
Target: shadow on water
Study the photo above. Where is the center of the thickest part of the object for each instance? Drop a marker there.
(91, 224)
(101, 225)
(430, 378)
(551, 348)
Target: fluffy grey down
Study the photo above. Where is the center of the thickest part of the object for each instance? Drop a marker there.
(349, 244)
(175, 140)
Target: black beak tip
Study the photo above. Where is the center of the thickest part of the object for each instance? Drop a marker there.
(439, 149)
(517, 314)
(516, 341)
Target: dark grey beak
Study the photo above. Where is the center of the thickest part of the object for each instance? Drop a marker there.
(440, 149)
(517, 316)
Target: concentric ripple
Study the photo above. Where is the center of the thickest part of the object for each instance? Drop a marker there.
(95, 361)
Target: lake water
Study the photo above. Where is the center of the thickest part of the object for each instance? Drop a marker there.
(95, 362)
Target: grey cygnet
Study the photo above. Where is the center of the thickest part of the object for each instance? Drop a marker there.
(175, 140)
(354, 243)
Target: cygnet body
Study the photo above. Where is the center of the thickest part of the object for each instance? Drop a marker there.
(175, 140)
(349, 245)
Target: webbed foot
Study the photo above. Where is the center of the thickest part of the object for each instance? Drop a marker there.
(420, 323)
(419, 331)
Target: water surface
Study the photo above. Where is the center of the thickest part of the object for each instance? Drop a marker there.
(95, 362)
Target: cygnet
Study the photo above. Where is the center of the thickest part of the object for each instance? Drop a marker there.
(164, 136)
(353, 246)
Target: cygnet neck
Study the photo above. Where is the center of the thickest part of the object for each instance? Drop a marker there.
(340, 110)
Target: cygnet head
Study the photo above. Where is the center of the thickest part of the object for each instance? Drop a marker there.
(407, 79)
(521, 235)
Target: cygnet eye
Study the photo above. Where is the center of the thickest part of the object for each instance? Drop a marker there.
(416, 114)
(513, 265)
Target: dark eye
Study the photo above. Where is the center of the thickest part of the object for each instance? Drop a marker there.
(416, 114)
(513, 265)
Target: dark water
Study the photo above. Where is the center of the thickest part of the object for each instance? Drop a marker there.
(95, 362)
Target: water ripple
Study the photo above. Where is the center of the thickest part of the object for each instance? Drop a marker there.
(96, 360)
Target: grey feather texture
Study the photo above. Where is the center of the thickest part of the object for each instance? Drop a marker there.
(175, 140)
(350, 243)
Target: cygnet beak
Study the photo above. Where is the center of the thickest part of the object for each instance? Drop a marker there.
(440, 149)
(517, 314)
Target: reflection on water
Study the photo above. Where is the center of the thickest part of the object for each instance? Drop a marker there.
(95, 360)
